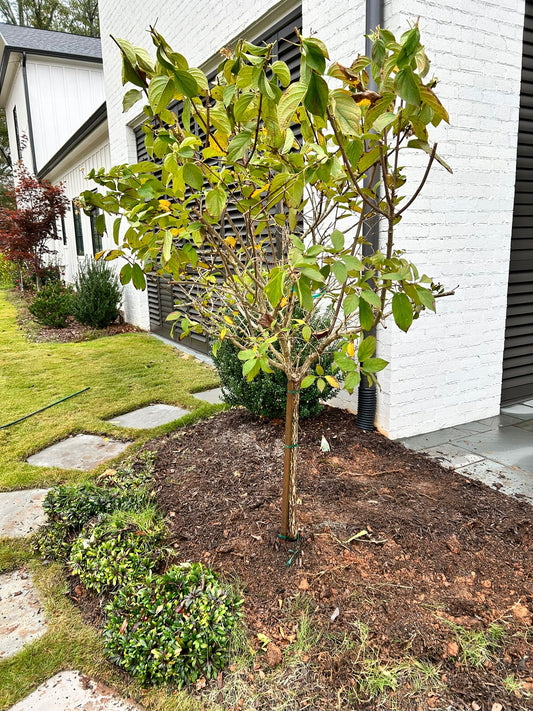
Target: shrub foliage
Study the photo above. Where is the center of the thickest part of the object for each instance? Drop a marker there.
(173, 628)
(53, 304)
(98, 294)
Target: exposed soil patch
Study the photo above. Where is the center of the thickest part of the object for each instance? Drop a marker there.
(443, 556)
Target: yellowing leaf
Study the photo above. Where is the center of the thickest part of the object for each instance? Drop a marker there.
(364, 102)
(332, 381)
(164, 204)
(231, 241)
(350, 349)
(229, 320)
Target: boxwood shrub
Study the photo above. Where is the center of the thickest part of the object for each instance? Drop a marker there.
(266, 394)
(172, 628)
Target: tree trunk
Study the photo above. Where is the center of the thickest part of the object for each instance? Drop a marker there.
(288, 498)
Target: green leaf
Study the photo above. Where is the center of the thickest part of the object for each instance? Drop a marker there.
(410, 43)
(406, 85)
(344, 362)
(193, 176)
(138, 278)
(352, 380)
(374, 365)
(337, 240)
(383, 121)
(340, 271)
(366, 316)
(368, 159)
(307, 381)
(305, 297)
(289, 102)
(316, 97)
(350, 304)
(402, 311)
(354, 150)
(371, 298)
(366, 348)
(185, 83)
(312, 273)
(241, 105)
(346, 112)
(238, 145)
(315, 54)
(249, 365)
(321, 384)
(167, 246)
(274, 289)
(131, 97)
(160, 93)
(282, 71)
(424, 146)
(306, 333)
(125, 274)
(215, 201)
(426, 297)
(429, 98)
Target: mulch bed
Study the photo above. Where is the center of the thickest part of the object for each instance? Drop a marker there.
(440, 549)
(73, 332)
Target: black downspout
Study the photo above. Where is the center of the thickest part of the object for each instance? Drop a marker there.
(366, 400)
(28, 113)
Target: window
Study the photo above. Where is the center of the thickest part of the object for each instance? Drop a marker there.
(95, 234)
(17, 134)
(78, 231)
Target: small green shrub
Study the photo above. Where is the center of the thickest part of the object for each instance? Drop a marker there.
(174, 628)
(69, 507)
(266, 395)
(98, 295)
(117, 550)
(52, 305)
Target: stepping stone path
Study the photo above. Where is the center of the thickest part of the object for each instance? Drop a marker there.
(21, 512)
(73, 691)
(80, 452)
(213, 396)
(21, 617)
(150, 416)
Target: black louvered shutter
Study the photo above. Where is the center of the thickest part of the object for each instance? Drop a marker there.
(518, 353)
(162, 294)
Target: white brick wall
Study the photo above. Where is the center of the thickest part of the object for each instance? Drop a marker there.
(447, 370)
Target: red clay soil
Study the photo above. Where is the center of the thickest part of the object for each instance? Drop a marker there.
(440, 550)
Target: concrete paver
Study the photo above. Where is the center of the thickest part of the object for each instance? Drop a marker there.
(214, 396)
(452, 456)
(508, 479)
(21, 512)
(21, 617)
(73, 691)
(149, 416)
(512, 446)
(80, 452)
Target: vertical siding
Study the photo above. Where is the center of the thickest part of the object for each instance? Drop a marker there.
(63, 95)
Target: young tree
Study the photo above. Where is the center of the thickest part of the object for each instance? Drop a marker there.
(256, 199)
(25, 230)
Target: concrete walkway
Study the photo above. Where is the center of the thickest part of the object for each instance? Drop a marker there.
(497, 451)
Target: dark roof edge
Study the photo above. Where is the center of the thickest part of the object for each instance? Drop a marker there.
(83, 131)
(8, 50)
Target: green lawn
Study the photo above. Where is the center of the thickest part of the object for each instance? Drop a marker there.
(123, 372)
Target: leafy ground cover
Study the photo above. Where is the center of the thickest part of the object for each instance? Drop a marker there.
(123, 372)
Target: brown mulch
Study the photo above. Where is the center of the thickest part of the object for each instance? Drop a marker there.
(440, 550)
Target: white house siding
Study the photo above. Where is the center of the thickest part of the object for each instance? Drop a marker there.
(64, 94)
(17, 99)
(93, 154)
(447, 370)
